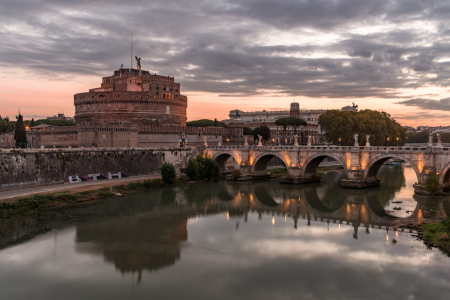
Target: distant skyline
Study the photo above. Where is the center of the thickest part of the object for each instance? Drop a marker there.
(247, 54)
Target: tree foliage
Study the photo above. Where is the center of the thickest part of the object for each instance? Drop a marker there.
(417, 137)
(264, 131)
(168, 173)
(247, 131)
(201, 168)
(205, 123)
(432, 183)
(285, 122)
(19, 134)
(5, 125)
(379, 125)
(32, 123)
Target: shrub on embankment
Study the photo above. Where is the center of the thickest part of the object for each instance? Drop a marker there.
(168, 173)
(202, 168)
(437, 233)
(64, 199)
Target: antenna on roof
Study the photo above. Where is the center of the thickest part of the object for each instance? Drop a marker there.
(131, 56)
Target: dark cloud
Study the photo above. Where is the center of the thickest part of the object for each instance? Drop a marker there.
(427, 104)
(315, 48)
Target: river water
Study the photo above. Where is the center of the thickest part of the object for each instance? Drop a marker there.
(252, 240)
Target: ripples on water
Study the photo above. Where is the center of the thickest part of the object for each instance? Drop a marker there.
(252, 240)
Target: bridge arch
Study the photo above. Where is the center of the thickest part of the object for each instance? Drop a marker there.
(375, 164)
(444, 176)
(314, 161)
(222, 157)
(261, 161)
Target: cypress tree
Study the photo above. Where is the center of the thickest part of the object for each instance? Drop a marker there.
(32, 123)
(20, 135)
(215, 122)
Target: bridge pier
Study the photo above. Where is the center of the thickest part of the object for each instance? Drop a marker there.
(356, 180)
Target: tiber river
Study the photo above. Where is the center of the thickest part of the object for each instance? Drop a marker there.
(252, 240)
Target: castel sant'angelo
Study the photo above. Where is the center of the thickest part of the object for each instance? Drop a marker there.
(131, 108)
(133, 96)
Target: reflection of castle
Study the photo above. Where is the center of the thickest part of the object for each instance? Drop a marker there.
(135, 244)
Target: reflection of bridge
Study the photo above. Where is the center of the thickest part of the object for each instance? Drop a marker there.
(361, 164)
(138, 234)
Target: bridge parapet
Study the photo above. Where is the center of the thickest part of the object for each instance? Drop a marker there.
(361, 164)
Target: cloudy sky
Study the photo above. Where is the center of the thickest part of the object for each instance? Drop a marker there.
(246, 54)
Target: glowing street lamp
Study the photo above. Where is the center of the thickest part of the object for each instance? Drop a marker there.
(339, 141)
(397, 142)
(388, 142)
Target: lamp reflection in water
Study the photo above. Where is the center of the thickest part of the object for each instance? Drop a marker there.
(273, 221)
(228, 215)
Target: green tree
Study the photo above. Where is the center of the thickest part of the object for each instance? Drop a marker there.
(20, 134)
(379, 125)
(417, 137)
(5, 125)
(205, 123)
(432, 183)
(215, 122)
(201, 168)
(264, 131)
(168, 173)
(32, 123)
(294, 122)
(247, 131)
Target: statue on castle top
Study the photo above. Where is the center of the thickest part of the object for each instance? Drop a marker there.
(138, 62)
(219, 143)
(205, 142)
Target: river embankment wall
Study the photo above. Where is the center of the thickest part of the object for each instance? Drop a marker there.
(30, 167)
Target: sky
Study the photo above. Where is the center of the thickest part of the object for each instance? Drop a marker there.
(391, 56)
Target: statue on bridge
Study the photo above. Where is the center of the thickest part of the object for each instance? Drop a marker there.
(430, 140)
(439, 143)
(219, 143)
(367, 140)
(295, 140)
(138, 62)
(355, 137)
(260, 140)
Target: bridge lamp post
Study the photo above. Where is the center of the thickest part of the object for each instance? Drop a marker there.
(388, 142)
(339, 142)
(397, 142)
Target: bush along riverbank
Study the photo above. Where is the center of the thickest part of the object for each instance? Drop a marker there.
(437, 234)
(49, 201)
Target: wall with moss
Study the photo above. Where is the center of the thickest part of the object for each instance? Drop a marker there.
(32, 167)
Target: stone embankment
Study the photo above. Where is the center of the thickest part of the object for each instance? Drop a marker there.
(31, 167)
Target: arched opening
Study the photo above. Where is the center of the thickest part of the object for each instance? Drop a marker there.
(324, 161)
(268, 161)
(226, 162)
(445, 178)
(268, 193)
(396, 176)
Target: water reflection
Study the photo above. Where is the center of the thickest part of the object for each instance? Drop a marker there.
(253, 240)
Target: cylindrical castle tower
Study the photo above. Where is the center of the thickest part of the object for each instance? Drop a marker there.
(133, 96)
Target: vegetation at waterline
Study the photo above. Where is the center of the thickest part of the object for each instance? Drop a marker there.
(432, 183)
(437, 233)
(202, 168)
(168, 173)
(379, 125)
(236, 174)
(277, 171)
(63, 199)
(205, 123)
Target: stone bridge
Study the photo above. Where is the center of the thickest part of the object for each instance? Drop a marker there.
(361, 164)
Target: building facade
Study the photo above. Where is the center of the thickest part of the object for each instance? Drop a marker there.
(255, 119)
